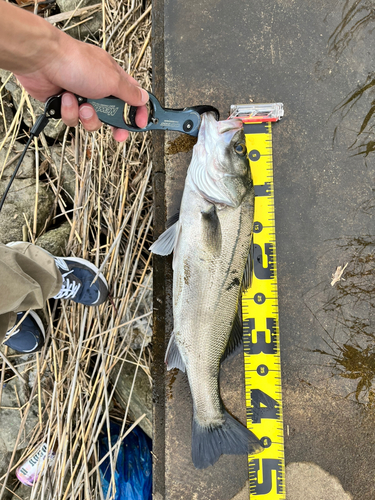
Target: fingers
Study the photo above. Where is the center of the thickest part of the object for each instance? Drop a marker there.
(141, 117)
(71, 112)
(129, 91)
(69, 109)
(89, 118)
(119, 134)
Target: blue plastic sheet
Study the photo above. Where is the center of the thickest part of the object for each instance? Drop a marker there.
(133, 475)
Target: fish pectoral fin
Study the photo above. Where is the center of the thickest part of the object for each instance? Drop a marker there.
(166, 242)
(173, 356)
(173, 219)
(248, 272)
(236, 335)
(211, 229)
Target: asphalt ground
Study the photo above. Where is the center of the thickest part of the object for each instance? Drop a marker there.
(317, 58)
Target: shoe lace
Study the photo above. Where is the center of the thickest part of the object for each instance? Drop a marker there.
(69, 288)
(61, 264)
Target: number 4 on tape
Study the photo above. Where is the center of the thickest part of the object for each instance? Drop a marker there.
(260, 312)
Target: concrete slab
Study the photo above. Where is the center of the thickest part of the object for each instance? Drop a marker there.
(310, 482)
(310, 56)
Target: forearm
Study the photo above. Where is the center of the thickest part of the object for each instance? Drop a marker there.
(26, 40)
(47, 61)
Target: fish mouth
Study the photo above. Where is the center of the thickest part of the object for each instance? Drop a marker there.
(229, 124)
(210, 128)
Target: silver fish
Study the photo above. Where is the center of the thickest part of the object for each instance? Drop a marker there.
(211, 244)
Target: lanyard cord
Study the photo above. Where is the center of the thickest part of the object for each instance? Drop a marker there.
(35, 131)
(15, 172)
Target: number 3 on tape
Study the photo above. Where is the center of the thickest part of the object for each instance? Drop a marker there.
(260, 312)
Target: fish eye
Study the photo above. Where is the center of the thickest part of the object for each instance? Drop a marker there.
(240, 149)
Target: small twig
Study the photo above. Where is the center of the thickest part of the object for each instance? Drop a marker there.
(133, 26)
(77, 24)
(146, 42)
(14, 370)
(336, 276)
(58, 18)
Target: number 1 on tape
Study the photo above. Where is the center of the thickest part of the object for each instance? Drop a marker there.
(260, 312)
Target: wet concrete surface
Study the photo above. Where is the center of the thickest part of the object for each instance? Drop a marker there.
(318, 59)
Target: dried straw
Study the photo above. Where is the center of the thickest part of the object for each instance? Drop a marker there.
(111, 225)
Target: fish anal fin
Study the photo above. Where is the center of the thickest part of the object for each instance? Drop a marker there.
(231, 438)
(236, 336)
(173, 356)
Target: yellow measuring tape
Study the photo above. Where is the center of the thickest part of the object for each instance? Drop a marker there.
(260, 314)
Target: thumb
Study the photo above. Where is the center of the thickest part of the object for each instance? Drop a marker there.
(130, 92)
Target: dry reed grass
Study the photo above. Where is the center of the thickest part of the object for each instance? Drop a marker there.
(111, 224)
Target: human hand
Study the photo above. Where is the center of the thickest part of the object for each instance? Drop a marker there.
(86, 70)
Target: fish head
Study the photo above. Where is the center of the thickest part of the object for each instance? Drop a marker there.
(220, 167)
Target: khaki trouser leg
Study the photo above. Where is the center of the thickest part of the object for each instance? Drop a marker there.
(28, 277)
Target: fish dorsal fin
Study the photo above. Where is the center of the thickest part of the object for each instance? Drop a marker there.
(248, 272)
(166, 242)
(211, 189)
(172, 356)
(236, 337)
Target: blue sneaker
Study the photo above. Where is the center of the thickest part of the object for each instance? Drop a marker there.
(29, 336)
(78, 276)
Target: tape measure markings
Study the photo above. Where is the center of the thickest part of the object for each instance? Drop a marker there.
(261, 328)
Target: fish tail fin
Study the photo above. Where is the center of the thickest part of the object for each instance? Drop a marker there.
(231, 438)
